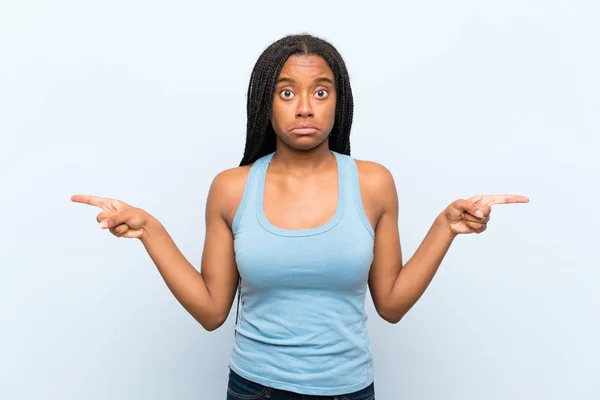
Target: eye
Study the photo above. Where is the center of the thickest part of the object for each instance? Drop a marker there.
(286, 94)
(322, 94)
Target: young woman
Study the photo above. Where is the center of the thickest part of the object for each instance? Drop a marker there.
(302, 229)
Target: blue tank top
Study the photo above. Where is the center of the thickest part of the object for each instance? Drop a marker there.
(302, 322)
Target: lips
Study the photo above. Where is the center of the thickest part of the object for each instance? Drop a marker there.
(305, 129)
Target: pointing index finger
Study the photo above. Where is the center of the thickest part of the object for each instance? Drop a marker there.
(504, 199)
(91, 200)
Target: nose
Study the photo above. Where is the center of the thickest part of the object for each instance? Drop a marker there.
(305, 108)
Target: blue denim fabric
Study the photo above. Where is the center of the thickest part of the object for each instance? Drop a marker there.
(239, 388)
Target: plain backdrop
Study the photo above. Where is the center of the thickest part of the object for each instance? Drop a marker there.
(145, 102)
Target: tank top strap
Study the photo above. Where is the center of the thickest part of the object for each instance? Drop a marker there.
(354, 204)
(251, 189)
(345, 180)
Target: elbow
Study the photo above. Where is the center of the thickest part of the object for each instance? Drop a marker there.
(211, 323)
(209, 327)
(392, 320)
(391, 316)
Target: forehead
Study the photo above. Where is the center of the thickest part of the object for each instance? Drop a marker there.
(307, 66)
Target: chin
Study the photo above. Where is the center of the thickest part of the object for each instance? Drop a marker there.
(305, 143)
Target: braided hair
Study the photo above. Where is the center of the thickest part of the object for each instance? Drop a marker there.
(260, 136)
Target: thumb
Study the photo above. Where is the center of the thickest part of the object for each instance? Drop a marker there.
(462, 206)
(121, 217)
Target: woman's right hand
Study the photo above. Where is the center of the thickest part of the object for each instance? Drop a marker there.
(120, 218)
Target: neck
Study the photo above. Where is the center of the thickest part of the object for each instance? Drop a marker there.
(302, 160)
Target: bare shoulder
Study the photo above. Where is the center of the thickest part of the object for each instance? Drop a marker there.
(230, 183)
(374, 176)
(378, 189)
(226, 191)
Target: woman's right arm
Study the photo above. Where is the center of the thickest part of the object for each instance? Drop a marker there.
(207, 295)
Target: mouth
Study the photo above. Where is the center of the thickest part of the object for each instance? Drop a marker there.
(304, 131)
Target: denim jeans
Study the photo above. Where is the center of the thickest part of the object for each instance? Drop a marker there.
(239, 388)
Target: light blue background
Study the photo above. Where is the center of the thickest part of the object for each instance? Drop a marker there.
(145, 102)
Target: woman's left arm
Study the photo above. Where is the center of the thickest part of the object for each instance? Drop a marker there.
(395, 287)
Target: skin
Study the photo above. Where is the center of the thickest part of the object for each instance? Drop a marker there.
(301, 170)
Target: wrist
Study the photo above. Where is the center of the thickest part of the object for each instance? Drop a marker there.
(442, 225)
(151, 229)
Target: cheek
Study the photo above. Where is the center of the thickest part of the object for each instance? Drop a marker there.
(278, 116)
(330, 112)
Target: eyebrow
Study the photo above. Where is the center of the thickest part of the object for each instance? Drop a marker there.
(318, 80)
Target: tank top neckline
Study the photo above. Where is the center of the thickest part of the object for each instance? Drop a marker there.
(332, 222)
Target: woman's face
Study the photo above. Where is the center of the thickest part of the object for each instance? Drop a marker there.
(304, 102)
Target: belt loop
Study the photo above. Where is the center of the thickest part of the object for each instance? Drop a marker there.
(268, 396)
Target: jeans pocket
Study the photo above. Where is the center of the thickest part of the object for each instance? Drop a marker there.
(367, 393)
(239, 388)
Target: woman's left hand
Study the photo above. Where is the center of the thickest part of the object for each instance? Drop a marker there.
(472, 215)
